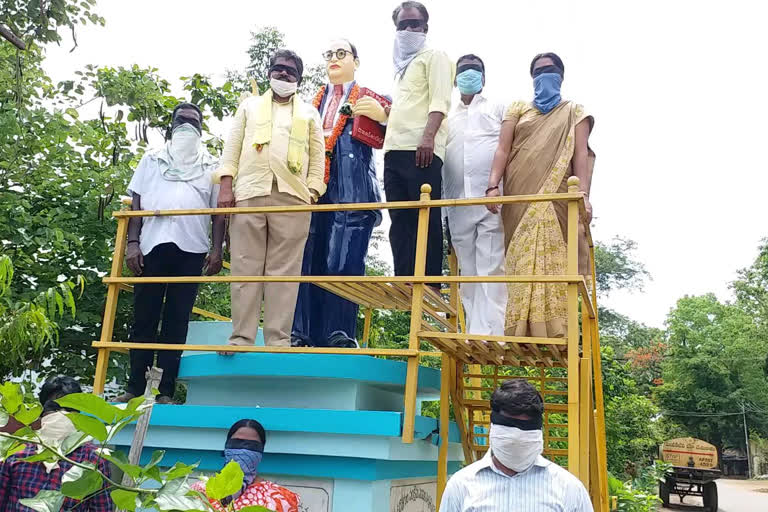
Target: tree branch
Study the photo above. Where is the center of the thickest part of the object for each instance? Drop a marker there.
(12, 38)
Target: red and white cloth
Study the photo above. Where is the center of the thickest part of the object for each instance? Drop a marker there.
(260, 493)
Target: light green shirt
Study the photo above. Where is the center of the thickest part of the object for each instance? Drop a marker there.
(425, 87)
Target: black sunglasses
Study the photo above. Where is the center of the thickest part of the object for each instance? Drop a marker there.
(405, 24)
(465, 67)
(285, 69)
(339, 54)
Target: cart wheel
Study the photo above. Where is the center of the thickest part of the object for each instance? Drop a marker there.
(710, 496)
(664, 492)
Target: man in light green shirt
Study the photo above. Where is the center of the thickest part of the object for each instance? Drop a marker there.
(416, 135)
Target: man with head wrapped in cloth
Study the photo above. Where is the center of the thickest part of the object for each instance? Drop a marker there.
(338, 241)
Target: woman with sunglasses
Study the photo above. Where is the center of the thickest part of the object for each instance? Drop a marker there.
(542, 144)
(245, 445)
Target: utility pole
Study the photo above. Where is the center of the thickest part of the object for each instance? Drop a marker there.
(746, 440)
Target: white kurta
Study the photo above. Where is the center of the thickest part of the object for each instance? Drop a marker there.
(477, 235)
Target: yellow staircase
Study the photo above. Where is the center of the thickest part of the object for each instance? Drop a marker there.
(566, 370)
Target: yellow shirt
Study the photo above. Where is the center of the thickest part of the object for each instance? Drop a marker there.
(254, 171)
(425, 87)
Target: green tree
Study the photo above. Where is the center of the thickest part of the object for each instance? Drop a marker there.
(715, 364)
(265, 42)
(632, 433)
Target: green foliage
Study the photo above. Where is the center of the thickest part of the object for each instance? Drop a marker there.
(28, 328)
(152, 487)
(40, 22)
(264, 42)
(715, 364)
(616, 267)
(639, 494)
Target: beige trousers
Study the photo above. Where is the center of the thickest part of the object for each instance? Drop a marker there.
(266, 244)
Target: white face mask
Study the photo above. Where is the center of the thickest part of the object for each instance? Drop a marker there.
(184, 155)
(407, 45)
(56, 426)
(516, 449)
(283, 89)
(185, 145)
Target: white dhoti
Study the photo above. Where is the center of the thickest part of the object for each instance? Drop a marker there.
(477, 237)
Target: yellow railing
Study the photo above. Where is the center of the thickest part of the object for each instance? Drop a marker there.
(578, 352)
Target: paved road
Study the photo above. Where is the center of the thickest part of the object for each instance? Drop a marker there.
(734, 496)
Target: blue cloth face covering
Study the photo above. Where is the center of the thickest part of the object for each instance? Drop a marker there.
(546, 91)
(470, 81)
(248, 455)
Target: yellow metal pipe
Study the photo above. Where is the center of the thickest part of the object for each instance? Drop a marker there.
(367, 326)
(417, 300)
(574, 449)
(394, 205)
(110, 308)
(573, 279)
(442, 454)
(252, 348)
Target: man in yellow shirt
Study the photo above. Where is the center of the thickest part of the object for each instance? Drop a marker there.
(274, 156)
(416, 135)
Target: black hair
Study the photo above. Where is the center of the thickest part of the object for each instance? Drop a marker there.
(351, 47)
(55, 388)
(411, 5)
(288, 54)
(555, 58)
(473, 57)
(248, 423)
(186, 105)
(517, 396)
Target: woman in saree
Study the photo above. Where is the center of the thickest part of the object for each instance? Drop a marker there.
(542, 143)
(245, 445)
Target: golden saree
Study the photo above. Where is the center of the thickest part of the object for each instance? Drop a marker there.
(535, 234)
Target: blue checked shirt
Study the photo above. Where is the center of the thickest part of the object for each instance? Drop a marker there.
(545, 487)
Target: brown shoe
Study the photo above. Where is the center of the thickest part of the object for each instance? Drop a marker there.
(164, 400)
(124, 398)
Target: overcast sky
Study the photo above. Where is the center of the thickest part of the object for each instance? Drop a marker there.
(676, 89)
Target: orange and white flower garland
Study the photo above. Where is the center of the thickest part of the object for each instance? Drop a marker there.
(330, 141)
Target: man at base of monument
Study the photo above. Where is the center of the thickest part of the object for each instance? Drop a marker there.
(338, 241)
(513, 475)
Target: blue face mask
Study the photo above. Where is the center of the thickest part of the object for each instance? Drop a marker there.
(248, 455)
(546, 91)
(470, 81)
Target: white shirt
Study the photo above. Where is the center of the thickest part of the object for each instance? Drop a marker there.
(545, 487)
(188, 232)
(473, 134)
(328, 97)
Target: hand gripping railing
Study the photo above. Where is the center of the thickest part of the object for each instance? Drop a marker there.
(585, 416)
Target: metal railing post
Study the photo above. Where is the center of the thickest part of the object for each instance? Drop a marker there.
(417, 299)
(110, 309)
(442, 456)
(573, 331)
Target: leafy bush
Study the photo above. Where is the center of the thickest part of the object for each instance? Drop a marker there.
(640, 494)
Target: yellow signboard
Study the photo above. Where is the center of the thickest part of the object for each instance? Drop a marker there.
(689, 452)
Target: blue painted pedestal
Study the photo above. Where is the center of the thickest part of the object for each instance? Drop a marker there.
(333, 424)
